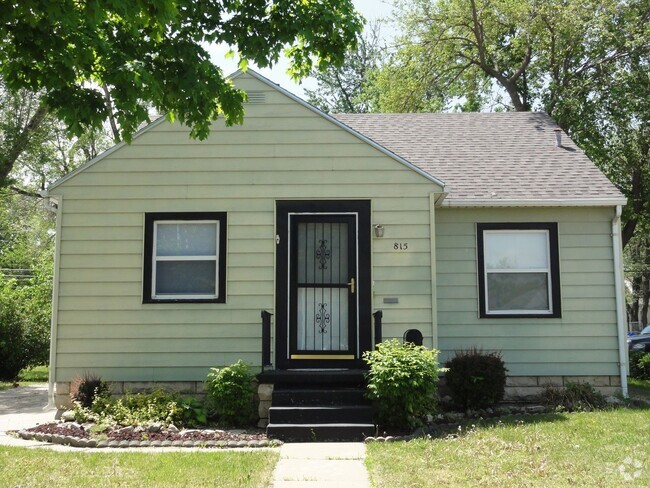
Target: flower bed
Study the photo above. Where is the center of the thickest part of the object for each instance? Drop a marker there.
(91, 435)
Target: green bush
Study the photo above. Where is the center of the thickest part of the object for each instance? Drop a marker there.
(14, 348)
(24, 323)
(35, 298)
(84, 389)
(640, 365)
(230, 394)
(475, 378)
(143, 409)
(575, 397)
(403, 382)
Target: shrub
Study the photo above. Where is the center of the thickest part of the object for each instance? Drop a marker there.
(140, 409)
(575, 397)
(35, 303)
(403, 382)
(475, 378)
(84, 389)
(193, 412)
(230, 394)
(640, 365)
(14, 350)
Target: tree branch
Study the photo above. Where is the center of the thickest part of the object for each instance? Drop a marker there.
(24, 192)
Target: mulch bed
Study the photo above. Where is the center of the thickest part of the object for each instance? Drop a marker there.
(88, 435)
(127, 434)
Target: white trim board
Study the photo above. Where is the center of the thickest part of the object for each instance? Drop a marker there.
(555, 202)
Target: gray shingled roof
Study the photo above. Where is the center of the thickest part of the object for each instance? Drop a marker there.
(489, 156)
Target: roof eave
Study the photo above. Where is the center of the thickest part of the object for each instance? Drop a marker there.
(547, 202)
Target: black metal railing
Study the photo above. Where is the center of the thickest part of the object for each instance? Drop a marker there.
(378, 334)
(266, 338)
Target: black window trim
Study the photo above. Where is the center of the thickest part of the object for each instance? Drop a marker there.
(150, 219)
(552, 229)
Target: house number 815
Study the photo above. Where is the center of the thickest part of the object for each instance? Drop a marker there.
(400, 246)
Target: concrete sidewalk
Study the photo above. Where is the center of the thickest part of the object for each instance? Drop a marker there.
(22, 408)
(322, 464)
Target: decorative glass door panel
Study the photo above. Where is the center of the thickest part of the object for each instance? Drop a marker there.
(322, 286)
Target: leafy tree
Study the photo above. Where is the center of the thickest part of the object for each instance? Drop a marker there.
(512, 53)
(26, 264)
(14, 353)
(346, 88)
(27, 227)
(637, 272)
(90, 61)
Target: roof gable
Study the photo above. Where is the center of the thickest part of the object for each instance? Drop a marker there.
(267, 83)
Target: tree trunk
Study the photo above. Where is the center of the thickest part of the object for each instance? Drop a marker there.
(19, 144)
(645, 298)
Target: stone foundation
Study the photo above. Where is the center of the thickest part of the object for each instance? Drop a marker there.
(525, 388)
(264, 393)
(190, 388)
(518, 388)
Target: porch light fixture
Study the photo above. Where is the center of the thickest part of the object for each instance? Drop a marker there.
(379, 230)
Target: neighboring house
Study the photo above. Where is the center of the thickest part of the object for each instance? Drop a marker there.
(475, 228)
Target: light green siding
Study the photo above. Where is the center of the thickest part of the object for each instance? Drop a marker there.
(582, 342)
(283, 151)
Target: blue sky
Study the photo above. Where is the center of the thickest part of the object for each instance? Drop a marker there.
(370, 9)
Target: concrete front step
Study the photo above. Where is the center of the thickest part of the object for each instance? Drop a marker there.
(356, 414)
(285, 397)
(338, 432)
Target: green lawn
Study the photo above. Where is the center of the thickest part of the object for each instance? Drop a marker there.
(579, 449)
(40, 467)
(38, 374)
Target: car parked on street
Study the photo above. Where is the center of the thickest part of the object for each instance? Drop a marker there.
(641, 341)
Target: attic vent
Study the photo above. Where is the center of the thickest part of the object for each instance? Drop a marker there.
(256, 97)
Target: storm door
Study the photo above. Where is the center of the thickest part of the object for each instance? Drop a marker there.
(323, 284)
(323, 287)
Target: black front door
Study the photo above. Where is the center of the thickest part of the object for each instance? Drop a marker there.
(323, 308)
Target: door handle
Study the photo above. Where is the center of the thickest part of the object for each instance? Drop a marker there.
(351, 285)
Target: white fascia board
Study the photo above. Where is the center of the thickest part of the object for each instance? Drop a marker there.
(551, 202)
(101, 156)
(340, 124)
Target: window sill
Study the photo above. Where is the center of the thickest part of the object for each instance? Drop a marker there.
(184, 300)
(520, 315)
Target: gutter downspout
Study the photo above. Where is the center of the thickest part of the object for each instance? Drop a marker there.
(54, 207)
(620, 301)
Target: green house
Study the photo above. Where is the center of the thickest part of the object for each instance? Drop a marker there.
(279, 241)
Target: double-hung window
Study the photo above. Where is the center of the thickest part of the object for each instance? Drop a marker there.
(185, 256)
(518, 268)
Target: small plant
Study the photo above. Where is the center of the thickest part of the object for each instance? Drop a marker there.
(194, 412)
(403, 382)
(475, 378)
(140, 409)
(575, 397)
(230, 394)
(84, 389)
(640, 365)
